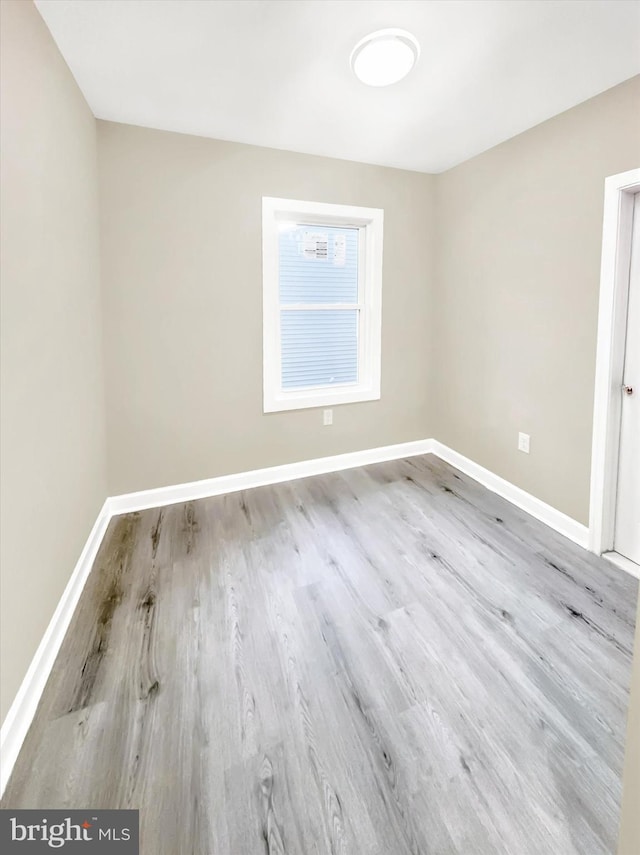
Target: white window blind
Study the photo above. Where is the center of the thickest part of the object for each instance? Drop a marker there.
(318, 267)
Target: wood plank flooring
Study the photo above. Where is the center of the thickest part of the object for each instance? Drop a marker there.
(385, 661)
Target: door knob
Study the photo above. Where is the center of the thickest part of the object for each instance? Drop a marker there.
(628, 390)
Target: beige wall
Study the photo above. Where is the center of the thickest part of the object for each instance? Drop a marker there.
(53, 434)
(519, 238)
(182, 278)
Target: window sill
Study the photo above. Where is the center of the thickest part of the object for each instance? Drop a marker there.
(320, 398)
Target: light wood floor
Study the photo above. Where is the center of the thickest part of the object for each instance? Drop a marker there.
(383, 661)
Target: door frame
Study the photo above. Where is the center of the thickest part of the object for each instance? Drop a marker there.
(612, 321)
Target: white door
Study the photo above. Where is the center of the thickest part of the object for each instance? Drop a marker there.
(627, 525)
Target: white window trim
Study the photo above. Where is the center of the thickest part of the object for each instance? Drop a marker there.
(370, 222)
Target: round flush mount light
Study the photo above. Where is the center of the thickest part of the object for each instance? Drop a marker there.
(384, 57)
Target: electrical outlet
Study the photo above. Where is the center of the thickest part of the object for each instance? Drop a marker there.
(523, 442)
(327, 417)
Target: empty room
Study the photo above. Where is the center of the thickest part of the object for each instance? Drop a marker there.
(320, 427)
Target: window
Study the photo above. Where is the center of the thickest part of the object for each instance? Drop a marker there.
(322, 281)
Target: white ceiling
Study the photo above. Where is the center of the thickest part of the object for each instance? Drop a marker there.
(276, 72)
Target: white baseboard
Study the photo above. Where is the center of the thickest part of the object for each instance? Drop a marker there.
(575, 531)
(261, 477)
(20, 715)
(623, 563)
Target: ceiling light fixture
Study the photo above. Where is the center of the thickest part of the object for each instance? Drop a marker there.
(384, 57)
